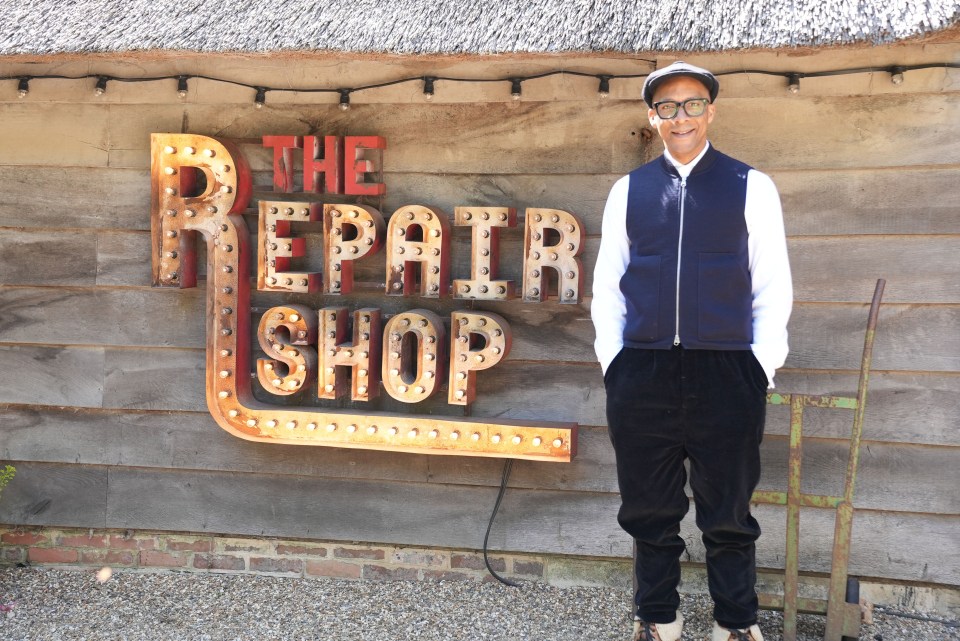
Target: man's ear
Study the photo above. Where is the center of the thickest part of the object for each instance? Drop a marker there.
(652, 117)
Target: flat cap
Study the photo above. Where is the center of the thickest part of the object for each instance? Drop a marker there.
(679, 69)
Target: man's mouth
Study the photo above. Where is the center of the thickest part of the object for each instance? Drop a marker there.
(683, 132)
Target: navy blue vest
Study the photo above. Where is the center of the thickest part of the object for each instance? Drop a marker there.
(715, 294)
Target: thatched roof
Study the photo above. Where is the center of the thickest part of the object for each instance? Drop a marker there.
(460, 26)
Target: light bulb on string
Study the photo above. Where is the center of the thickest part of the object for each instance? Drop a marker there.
(896, 74)
(793, 83)
(182, 88)
(23, 87)
(344, 99)
(101, 87)
(516, 88)
(604, 88)
(428, 88)
(261, 98)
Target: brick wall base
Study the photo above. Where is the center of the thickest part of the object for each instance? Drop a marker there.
(152, 551)
(142, 550)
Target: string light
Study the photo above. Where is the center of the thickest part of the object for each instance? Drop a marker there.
(793, 80)
(428, 88)
(793, 83)
(896, 74)
(604, 88)
(261, 98)
(516, 88)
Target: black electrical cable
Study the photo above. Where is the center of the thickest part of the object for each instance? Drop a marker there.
(182, 78)
(503, 488)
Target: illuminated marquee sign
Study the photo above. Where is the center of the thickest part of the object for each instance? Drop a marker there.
(201, 185)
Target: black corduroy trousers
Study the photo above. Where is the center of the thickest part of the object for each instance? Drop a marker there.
(665, 406)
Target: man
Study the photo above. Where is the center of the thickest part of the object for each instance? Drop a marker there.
(692, 294)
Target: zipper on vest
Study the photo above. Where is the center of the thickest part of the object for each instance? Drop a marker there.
(683, 198)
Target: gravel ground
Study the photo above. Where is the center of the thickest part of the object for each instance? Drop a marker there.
(62, 604)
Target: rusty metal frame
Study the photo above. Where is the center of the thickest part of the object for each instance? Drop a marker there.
(176, 219)
(843, 619)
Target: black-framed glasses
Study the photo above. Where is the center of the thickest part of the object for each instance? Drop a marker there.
(693, 107)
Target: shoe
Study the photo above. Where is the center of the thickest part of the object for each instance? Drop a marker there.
(723, 634)
(643, 631)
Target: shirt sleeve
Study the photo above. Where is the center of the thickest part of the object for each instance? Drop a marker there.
(769, 271)
(608, 307)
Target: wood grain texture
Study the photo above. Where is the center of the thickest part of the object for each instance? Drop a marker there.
(62, 495)
(901, 407)
(902, 200)
(909, 337)
(898, 546)
(918, 269)
(54, 134)
(532, 137)
(123, 259)
(74, 197)
(51, 375)
(191, 442)
(25, 258)
(137, 317)
(169, 379)
(816, 202)
(183, 440)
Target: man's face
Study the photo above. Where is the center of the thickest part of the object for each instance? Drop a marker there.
(683, 136)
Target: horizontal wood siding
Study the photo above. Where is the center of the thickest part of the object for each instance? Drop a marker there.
(102, 404)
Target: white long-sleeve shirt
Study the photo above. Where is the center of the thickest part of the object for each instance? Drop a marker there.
(772, 286)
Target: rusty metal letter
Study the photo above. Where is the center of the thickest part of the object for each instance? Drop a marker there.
(283, 147)
(478, 340)
(362, 355)
(560, 256)
(363, 155)
(276, 246)
(364, 226)
(192, 179)
(485, 252)
(418, 234)
(413, 363)
(288, 368)
(329, 165)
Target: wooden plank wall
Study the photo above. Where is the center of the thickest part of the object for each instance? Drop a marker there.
(101, 383)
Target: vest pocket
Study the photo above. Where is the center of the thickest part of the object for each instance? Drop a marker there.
(641, 290)
(725, 299)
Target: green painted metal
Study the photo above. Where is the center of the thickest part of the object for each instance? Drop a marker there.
(839, 402)
(791, 579)
(843, 619)
(836, 596)
(772, 497)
